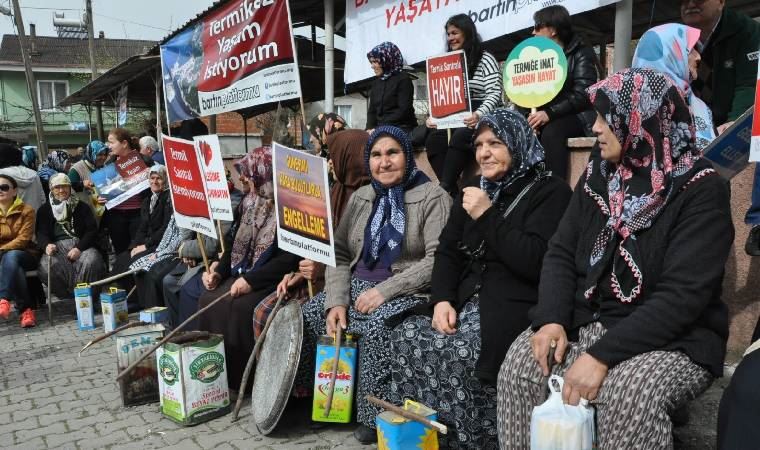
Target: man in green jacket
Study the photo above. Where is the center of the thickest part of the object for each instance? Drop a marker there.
(729, 45)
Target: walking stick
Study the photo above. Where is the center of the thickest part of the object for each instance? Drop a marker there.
(49, 297)
(115, 277)
(111, 333)
(170, 335)
(334, 374)
(550, 363)
(438, 426)
(254, 355)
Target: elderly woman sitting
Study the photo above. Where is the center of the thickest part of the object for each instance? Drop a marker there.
(485, 279)
(631, 283)
(384, 249)
(67, 233)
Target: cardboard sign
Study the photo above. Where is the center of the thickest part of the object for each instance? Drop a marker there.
(448, 91)
(730, 151)
(302, 202)
(534, 72)
(755, 146)
(210, 156)
(238, 56)
(120, 181)
(187, 186)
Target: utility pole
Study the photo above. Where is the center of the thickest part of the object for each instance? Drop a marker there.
(94, 67)
(30, 82)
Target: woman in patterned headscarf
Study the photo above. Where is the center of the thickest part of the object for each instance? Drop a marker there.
(391, 99)
(249, 270)
(630, 287)
(57, 162)
(485, 279)
(321, 126)
(671, 50)
(94, 157)
(384, 249)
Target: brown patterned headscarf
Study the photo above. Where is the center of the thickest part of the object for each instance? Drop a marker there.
(350, 173)
(325, 124)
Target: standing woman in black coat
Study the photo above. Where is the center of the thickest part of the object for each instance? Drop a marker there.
(569, 114)
(485, 279)
(392, 95)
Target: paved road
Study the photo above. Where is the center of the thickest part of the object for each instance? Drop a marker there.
(50, 398)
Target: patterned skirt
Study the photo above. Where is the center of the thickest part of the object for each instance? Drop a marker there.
(436, 369)
(375, 355)
(64, 274)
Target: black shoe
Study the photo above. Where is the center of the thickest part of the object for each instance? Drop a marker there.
(365, 435)
(752, 246)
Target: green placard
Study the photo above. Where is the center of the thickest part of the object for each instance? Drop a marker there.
(534, 72)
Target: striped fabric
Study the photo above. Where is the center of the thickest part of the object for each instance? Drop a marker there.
(486, 85)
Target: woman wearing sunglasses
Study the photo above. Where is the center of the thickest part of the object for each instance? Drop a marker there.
(16, 247)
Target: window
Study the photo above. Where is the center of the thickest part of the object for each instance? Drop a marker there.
(345, 112)
(50, 93)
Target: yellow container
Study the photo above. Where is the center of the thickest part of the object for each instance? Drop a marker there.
(343, 398)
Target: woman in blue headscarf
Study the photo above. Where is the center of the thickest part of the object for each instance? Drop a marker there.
(29, 156)
(94, 157)
(485, 279)
(392, 94)
(384, 250)
(671, 50)
(57, 162)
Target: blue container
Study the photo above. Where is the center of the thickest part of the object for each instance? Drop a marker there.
(398, 433)
(85, 309)
(156, 314)
(114, 306)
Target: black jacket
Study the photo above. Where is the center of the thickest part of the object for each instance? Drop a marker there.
(153, 225)
(268, 272)
(506, 275)
(682, 260)
(390, 103)
(734, 74)
(581, 74)
(85, 227)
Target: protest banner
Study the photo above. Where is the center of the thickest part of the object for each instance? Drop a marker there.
(238, 56)
(448, 90)
(187, 186)
(302, 202)
(120, 181)
(210, 156)
(729, 152)
(755, 145)
(534, 72)
(416, 26)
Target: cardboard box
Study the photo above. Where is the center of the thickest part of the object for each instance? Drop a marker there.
(114, 306)
(141, 384)
(398, 433)
(156, 314)
(192, 379)
(343, 398)
(85, 309)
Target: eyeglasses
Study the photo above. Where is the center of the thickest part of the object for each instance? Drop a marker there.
(5, 187)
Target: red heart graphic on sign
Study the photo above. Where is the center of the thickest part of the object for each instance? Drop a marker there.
(206, 151)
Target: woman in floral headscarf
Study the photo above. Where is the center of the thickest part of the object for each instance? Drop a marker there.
(384, 256)
(630, 288)
(321, 126)
(485, 279)
(391, 99)
(249, 271)
(671, 50)
(57, 162)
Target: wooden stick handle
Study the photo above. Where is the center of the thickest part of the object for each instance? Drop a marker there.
(114, 278)
(408, 414)
(334, 373)
(221, 236)
(49, 297)
(171, 335)
(254, 356)
(311, 288)
(203, 250)
(111, 333)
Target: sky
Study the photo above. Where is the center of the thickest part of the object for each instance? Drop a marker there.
(119, 19)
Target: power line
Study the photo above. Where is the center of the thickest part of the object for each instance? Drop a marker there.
(130, 22)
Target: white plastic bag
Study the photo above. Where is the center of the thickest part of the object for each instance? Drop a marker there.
(557, 426)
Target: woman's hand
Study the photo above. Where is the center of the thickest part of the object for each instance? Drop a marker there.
(336, 317)
(50, 249)
(541, 342)
(240, 287)
(288, 281)
(444, 318)
(475, 201)
(429, 123)
(88, 184)
(538, 119)
(311, 270)
(369, 301)
(73, 254)
(211, 279)
(189, 262)
(138, 249)
(724, 127)
(102, 201)
(583, 379)
(471, 120)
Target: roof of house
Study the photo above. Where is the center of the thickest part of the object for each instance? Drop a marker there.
(52, 51)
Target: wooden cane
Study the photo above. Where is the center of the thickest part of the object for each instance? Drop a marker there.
(334, 374)
(443, 429)
(254, 356)
(115, 277)
(109, 334)
(550, 364)
(170, 335)
(49, 297)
